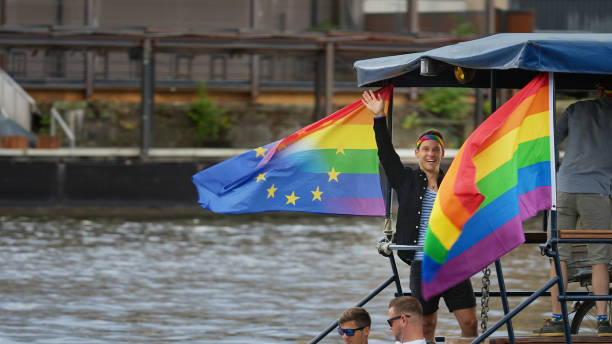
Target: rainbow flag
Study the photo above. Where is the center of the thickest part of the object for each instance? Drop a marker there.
(329, 167)
(500, 177)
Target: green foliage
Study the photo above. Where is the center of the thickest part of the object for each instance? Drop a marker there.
(45, 124)
(445, 102)
(325, 26)
(209, 120)
(411, 120)
(463, 28)
(444, 109)
(486, 107)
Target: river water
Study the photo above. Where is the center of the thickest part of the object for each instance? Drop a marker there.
(209, 279)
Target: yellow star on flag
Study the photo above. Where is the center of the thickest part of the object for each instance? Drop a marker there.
(339, 150)
(292, 198)
(261, 151)
(260, 177)
(333, 175)
(316, 194)
(271, 191)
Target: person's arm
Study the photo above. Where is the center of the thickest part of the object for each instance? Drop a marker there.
(394, 169)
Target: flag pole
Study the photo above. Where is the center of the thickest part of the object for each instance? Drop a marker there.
(554, 154)
(554, 233)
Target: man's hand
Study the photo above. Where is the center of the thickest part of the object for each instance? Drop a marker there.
(373, 102)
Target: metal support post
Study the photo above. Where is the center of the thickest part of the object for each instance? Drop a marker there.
(147, 100)
(329, 77)
(504, 299)
(396, 279)
(389, 199)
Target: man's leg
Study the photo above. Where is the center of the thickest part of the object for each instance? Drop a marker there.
(594, 212)
(461, 301)
(554, 290)
(430, 307)
(567, 218)
(601, 282)
(429, 326)
(466, 318)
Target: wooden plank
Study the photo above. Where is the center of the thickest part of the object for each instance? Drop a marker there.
(585, 234)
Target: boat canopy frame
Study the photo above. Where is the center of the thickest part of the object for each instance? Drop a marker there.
(574, 61)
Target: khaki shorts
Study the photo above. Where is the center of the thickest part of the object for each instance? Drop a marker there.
(594, 211)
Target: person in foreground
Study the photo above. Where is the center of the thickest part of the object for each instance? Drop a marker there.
(406, 320)
(584, 185)
(354, 325)
(416, 191)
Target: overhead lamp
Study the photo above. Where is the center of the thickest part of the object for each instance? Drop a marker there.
(464, 75)
(431, 67)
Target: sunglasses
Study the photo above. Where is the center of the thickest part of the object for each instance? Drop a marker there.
(348, 331)
(391, 320)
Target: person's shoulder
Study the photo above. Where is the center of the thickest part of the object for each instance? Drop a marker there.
(585, 102)
(583, 105)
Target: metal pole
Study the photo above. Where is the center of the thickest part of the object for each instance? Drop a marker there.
(413, 15)
(504, 299)
(329, 77)
(493, 92)
(255, 72)
(490, 17)
(389, 199)
(388, 185)
(147, 87)
(90, 21)
(3, 16)
(554, 233)
(479, 117)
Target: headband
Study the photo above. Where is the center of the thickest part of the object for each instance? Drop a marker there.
(430, 137)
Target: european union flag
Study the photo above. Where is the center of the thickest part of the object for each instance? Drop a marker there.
(329, 167)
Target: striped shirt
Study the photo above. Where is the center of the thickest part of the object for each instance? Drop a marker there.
(428, 202)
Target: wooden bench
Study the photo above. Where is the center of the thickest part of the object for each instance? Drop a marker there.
(585, 234)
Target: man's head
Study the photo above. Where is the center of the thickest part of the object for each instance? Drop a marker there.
(354, 325)
(406, 318)
(430, 150)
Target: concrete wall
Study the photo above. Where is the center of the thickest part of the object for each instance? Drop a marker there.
(98, 183)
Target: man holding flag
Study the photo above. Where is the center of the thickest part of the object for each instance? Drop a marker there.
(416, 191)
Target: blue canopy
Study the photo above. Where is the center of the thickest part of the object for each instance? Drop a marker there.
(580, 59)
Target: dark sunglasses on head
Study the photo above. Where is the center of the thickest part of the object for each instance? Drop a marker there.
(349, 331)
(391, 320)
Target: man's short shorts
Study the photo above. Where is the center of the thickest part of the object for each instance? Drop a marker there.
(594, 212)
(458, 297)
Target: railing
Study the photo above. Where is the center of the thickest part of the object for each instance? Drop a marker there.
(55, 116)
(16, 102)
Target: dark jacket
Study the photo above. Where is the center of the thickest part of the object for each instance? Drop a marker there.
(410, 186)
